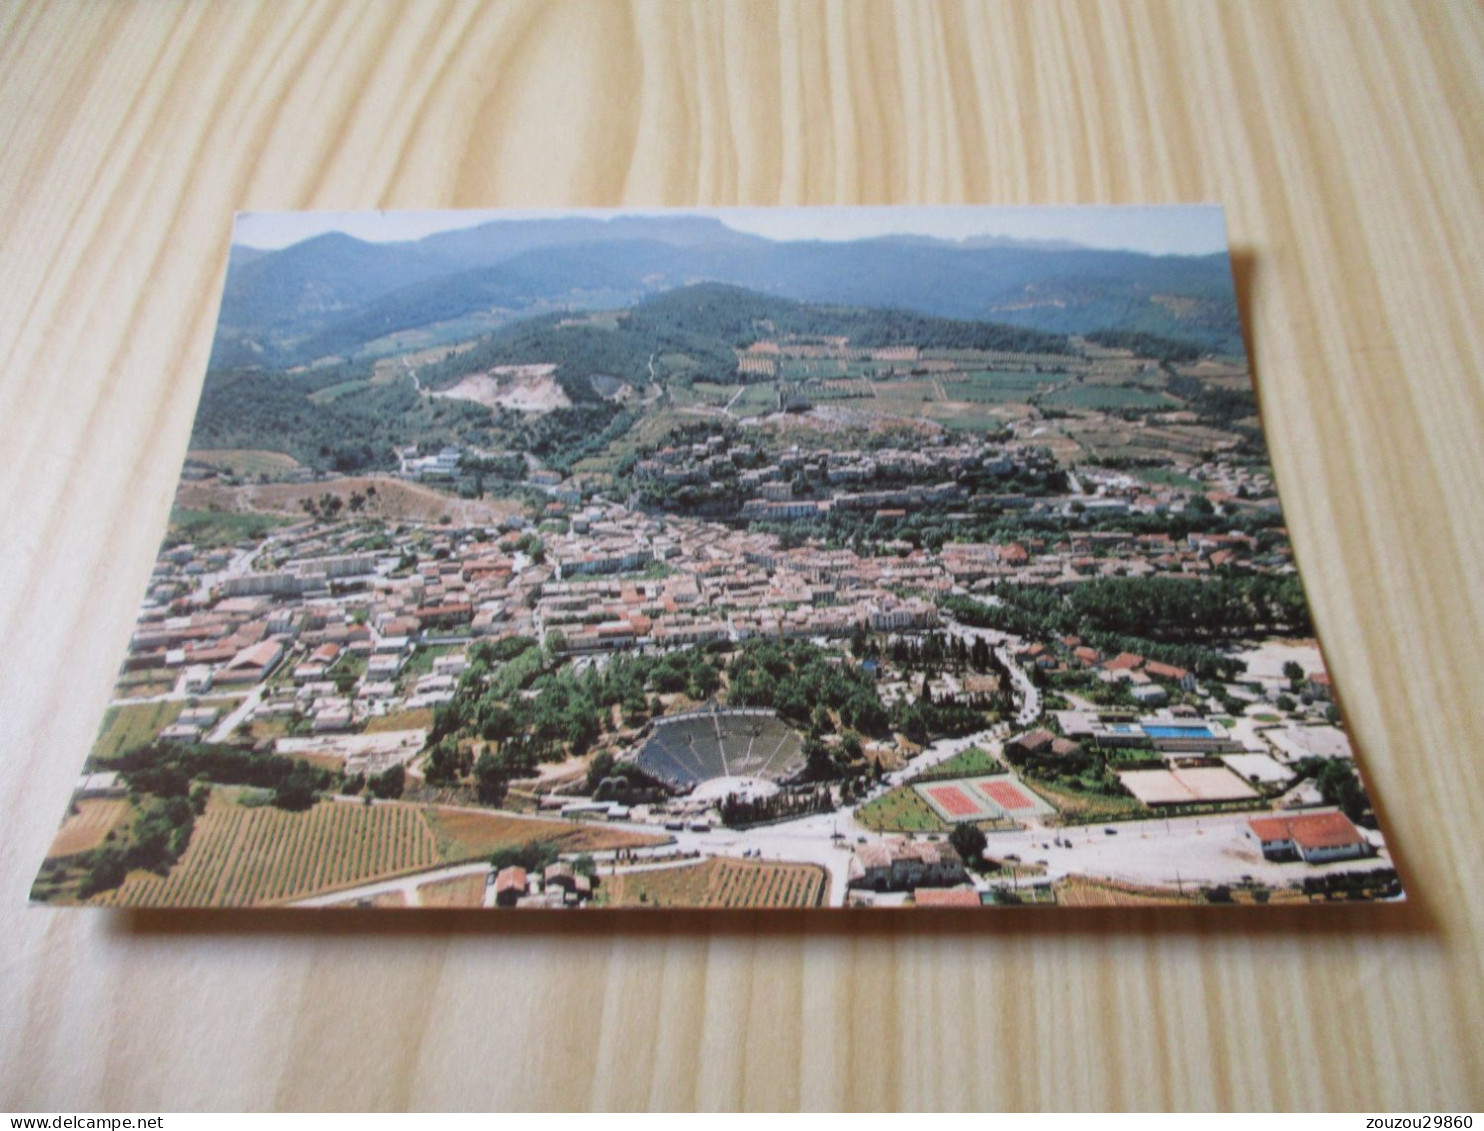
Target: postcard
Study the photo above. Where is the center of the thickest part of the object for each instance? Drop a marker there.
(724, 558)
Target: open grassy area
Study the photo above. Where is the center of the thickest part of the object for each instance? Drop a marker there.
(900, 810)
(245, 461)
(133, 724)
(995, 386)
(757, 400)
(468, 834)
(209, 528)
(461, 891)
(331, 393)
(1081, 807)
(1108, 397)
(972, 762)
(701, 393)
(419, 718)
(88, 825)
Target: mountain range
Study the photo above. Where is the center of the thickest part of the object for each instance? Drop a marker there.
(333, 294)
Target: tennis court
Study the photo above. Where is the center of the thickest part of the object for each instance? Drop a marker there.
(997, 797)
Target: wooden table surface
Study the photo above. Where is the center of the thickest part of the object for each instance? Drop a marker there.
(1345, 142)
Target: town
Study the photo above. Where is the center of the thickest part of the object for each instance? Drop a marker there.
(339, 642)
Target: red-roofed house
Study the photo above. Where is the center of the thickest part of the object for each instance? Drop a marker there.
(1315, 838)
(1124, 662)
(954, 897)
(251, 664)
(510, 885)
(1171, 673)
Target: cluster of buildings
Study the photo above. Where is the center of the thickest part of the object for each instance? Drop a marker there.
(800, 484)
(715, 583)
(555, 886)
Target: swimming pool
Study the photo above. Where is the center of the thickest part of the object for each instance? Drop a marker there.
(1156, 731)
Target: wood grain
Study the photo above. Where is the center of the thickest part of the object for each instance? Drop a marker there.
(1345, 141)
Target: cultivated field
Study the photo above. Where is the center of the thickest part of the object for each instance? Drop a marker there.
(720, 882)
(461, 891)
(1078, 891)
(240, 856)
(468, 834)
(901, 810)
(87, 828)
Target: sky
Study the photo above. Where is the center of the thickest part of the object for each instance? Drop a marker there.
(1185, 229)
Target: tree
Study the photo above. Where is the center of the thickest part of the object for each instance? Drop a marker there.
(1339, 786)
(533, 856)
(389, 783)
(819, 720)
(296, 792)
(443, 763)
(1293, 671)
(818, 764)
(491, 778)
(106, 870)
(599, 768)
(969, 841)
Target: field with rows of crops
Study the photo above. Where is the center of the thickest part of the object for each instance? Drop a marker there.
(720, 882)
(240, 856)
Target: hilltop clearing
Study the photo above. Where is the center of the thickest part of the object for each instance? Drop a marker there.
(393, 499)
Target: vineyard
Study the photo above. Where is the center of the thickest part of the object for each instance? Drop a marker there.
(1079, 891)
(240, 856)
(720, 882)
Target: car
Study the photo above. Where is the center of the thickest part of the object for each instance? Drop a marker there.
(1110, 832)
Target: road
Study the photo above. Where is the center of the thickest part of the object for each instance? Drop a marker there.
(1177, 852)
(407, 885)
(223, 730)
(1028, 695)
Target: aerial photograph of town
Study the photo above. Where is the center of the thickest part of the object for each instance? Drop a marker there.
(727, 558)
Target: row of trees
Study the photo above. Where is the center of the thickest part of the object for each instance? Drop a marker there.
(741, 812)
(1039, 612)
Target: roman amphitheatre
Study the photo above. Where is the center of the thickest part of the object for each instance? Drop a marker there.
(724, 750)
